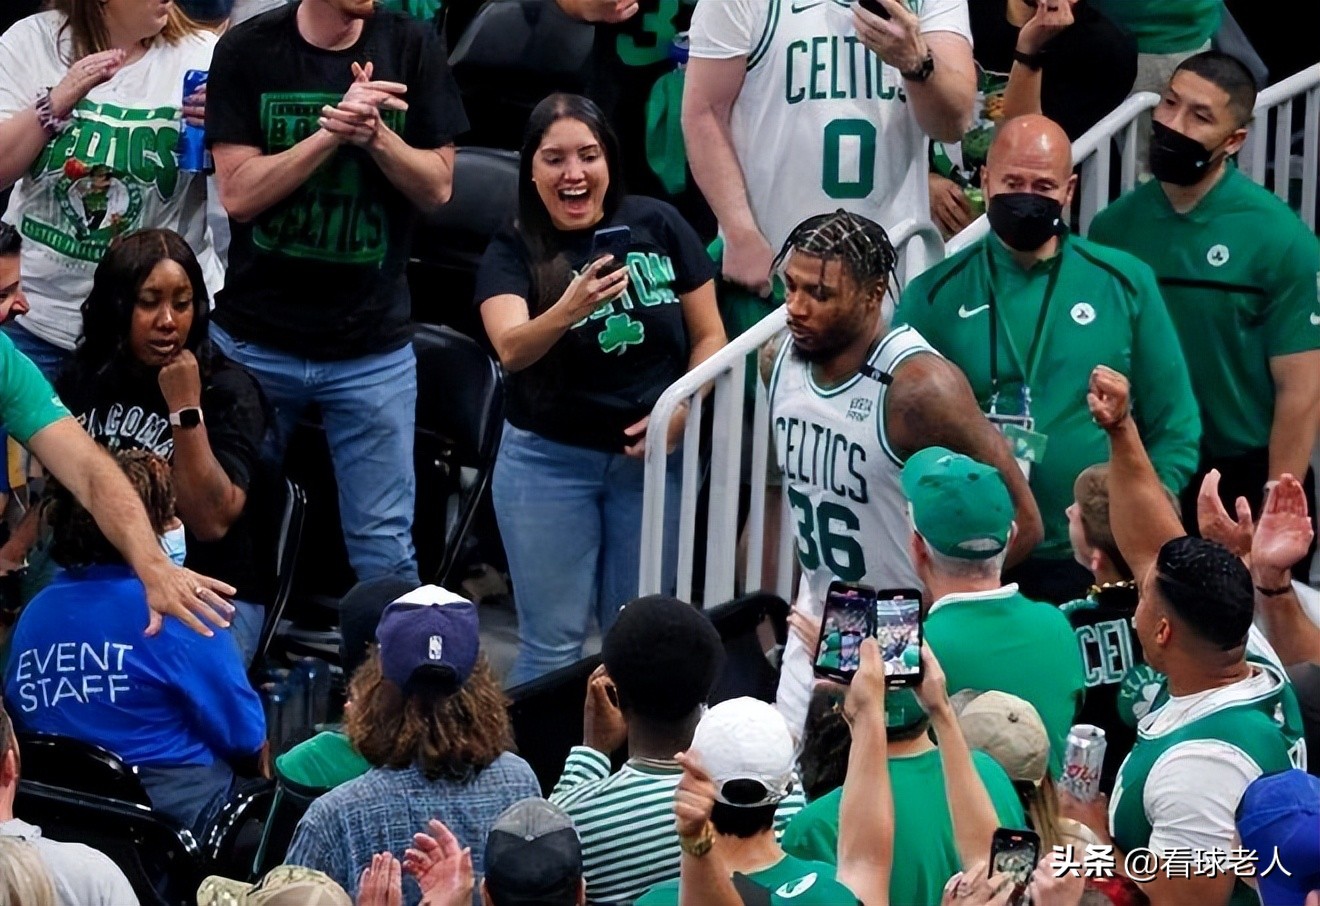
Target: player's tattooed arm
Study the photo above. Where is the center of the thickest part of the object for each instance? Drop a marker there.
(931, 405)
(769, 354)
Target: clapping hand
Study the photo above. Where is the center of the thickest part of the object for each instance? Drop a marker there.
(442, 867)
(1214, 523)
(356, 118)
(1284, 533)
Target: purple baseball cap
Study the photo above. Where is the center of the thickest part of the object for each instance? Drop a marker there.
(1281, 812)
(432, 628)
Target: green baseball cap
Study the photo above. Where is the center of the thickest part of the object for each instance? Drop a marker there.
(960, 506)
(902, 710)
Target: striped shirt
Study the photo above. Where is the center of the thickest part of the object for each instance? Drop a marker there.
(626, 822)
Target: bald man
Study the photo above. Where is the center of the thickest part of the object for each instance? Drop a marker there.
(1027, 313)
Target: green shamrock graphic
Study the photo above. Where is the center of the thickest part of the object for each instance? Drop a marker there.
(620, 332)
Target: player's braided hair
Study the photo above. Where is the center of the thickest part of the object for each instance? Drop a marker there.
(859, 242)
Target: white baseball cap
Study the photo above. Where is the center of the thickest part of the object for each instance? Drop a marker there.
(746, 739)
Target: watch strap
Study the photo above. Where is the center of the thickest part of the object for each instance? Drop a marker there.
(1033, 61)
(925, 69)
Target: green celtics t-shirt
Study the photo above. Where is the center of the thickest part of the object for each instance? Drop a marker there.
(925, 852)
(27, 401)
(790, 880)
(1002, 641)
(1241, 275)
(606, 372)
(1165, 26)
(321, 274)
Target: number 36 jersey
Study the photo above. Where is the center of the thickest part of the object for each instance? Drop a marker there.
(840, 472)
(821, 123)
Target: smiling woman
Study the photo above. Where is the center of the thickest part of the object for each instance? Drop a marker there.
(117, 68)
(591, 338)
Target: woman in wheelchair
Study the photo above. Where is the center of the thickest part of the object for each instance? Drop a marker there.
(595, 302)
(177, 706)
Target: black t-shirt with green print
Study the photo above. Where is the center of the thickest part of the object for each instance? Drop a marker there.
(321, 274)
(608, 370)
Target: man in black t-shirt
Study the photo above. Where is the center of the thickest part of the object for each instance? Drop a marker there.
(331, 122)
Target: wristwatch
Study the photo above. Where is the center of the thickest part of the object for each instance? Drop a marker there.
(925, 69)
(699, 845)
(188, 417)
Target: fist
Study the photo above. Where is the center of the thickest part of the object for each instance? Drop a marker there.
(180, 382)
(1108, 397)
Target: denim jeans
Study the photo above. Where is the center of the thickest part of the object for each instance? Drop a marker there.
(369, 411)
(571, 521)
(48, 357)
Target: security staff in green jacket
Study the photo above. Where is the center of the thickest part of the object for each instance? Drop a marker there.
(1241, 274)
(1027, 313)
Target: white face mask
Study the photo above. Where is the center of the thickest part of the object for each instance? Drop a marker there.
(175, 544)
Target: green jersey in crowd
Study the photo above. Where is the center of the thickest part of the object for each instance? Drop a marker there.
(789, 880)
(1241, 276)
(1050, 326)
(925, 852)
(27, 401)
(1003, 641)
(1165, 26)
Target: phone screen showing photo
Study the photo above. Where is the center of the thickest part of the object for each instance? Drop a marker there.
(898, 630)
(849, 615)
(1015, 853)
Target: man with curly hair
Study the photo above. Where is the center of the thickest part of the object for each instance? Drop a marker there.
(431, 719)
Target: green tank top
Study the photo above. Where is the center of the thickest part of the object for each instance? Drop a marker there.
(1256, 728)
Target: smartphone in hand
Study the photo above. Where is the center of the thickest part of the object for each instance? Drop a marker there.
(614, 241)
(876, 7)
(1015, 853)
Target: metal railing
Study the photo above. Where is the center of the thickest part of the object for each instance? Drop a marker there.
(1274, 118)
(720, 383)
(724, 374)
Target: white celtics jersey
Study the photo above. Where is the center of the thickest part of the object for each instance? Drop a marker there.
(821, 123)
(841, 475)
(841, 478)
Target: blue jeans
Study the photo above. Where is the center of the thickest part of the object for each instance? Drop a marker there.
(49, 358)
(369, 411)
(571, 521)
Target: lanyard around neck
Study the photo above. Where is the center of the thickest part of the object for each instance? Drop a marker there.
(1027, 368)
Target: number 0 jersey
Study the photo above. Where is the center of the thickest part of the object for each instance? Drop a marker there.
(820, 123)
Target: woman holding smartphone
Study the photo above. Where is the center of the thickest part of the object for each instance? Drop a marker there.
(590, 342)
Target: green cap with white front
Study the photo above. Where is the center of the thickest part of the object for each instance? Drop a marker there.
(960, 506)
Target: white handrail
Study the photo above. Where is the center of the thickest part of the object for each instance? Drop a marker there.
(724, 374)
(1276, 103)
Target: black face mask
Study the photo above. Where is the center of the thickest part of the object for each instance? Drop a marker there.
(1024, 220)
(1177, 159)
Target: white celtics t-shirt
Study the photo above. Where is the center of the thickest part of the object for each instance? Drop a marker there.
(112, 171)
(821, 123)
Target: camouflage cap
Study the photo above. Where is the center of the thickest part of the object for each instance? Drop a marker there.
(284, 885)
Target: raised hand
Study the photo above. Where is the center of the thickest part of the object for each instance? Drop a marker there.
(896, 40)
(694, 798)
(1214, 523)
(1284, 533)
(1051, 18)
(84, 75)
(1108, 397)
(442, 867)
(603, 726)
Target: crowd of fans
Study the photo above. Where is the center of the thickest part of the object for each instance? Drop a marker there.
(1088, 455)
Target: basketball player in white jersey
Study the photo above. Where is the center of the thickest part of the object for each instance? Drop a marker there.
(792, 107)
(850, 400)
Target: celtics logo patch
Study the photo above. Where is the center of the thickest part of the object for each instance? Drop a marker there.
(1138, 693)
(96, 201)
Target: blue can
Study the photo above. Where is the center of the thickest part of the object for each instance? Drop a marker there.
(193, 156)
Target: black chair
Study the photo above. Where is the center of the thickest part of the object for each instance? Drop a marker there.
(282, 535)
(511, 55)
(289, 803)
(235, 833)
(547, 718)
(460, 411)
(448, 245)
(78, 792)
(63, 761)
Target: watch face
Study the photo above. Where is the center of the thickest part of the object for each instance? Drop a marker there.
(190, 418)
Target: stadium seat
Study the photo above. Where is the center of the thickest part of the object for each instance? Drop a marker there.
(547, 718)
(449, 243)
(81, 793)
(279, 531)
(460, 411)
(747, 671)
(288, 804)
(511, 55)
(234, 836)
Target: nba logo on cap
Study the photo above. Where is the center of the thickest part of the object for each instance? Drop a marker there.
(435, 648)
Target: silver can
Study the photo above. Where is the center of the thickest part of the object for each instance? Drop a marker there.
(1083, 761)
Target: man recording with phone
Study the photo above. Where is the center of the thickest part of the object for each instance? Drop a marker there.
(850, 400)
(986, 633)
